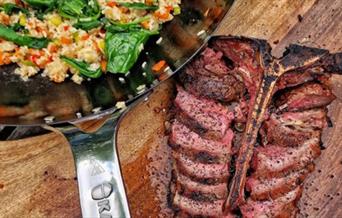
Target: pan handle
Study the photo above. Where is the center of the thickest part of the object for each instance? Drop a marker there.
(100, 182)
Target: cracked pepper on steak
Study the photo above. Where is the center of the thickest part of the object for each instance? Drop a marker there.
(246, 128)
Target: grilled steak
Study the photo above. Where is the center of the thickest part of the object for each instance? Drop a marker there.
(272, 188)
(284, 206)
(272, 161)
(307, 96)
(238, 109)
(293, 128)
(189, 142)
(208, 118)
(225, 88)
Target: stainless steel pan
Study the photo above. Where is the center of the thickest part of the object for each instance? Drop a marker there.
(40, 102)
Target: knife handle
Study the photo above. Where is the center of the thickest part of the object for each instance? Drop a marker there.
(101, 187)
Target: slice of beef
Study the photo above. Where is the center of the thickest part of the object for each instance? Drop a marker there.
(295, 78)
(284, 206)
(200, 171)
(209, 63)
(183, 138)
(293, 128)
(276, 161)
(225, 88)
(203, 115)
(267, 189)
(307, 96)
(198, 208)
(305, 120)
(219, 191)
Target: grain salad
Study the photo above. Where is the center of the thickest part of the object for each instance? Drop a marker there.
(78, 39)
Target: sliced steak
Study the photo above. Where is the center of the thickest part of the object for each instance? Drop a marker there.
(198, 208)
(276, 161)
(190, 142)
(267, 189)
(225, 88)
(293, 128)
(284, 206)
(292, 79)
(307, 96)
(203, 115)
(216, 191)
(295, 78)
(305, 120)
(238, 84)
(200, 171)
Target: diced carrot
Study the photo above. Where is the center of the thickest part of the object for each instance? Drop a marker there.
(39, 29)
(149, 2)
(66, 41)
(111, 4)
(162, 16)
(103, 65)
(7, 59)
(85, 37)
(53, 48)
(66, 28)
(169, 8)
(159, 66)
(145, 24)
(6, 19)
(1, 58)
(33, 59)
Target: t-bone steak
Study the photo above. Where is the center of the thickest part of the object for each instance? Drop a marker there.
(246, 128)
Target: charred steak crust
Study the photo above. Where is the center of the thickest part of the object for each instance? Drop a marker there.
(228, 96)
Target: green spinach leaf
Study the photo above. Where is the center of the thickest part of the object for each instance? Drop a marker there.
(10, 8)
(82, 67)
(86, 12)
(88, 25)
(91, 12)
(41, 4)
(71, 9)
(31, 42)
(123, 47)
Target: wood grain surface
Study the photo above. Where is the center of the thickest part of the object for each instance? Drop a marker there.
(37, 177)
